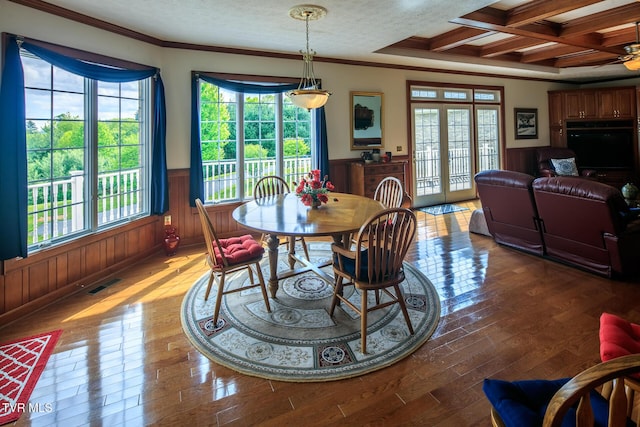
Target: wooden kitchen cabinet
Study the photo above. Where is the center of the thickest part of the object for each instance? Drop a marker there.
(556, 109)
(580, 104)
(584, 105)
(617, 103)
(556, 119)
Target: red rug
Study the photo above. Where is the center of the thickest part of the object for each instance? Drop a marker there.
(21, 363)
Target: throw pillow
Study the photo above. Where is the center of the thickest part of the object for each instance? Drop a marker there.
(565, 167)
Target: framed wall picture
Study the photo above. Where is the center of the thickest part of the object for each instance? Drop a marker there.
(366, 120)
(526, 122)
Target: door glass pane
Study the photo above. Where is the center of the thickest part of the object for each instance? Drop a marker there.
(459, 141)
(427, 145)
(487, 127)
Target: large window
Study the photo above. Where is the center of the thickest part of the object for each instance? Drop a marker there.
(245, 136)
(88, 148)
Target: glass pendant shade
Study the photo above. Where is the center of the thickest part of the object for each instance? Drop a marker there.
(309, 98)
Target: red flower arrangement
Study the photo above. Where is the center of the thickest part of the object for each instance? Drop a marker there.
(312, 190)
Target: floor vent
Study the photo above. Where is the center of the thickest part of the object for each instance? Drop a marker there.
(103, 286)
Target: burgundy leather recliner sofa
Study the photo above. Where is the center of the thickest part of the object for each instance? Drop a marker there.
(580, 221)
(510, 209)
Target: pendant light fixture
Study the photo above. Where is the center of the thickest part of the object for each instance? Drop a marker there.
(308, 95)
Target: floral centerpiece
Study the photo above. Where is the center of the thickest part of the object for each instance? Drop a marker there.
(312, 190)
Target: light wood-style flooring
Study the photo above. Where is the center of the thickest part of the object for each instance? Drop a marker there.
(124, 360)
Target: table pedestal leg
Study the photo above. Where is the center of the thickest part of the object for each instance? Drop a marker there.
(342, 239)
(273, 242)
(292, 251)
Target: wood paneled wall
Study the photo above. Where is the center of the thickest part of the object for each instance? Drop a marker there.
(185, 218)
(522, 160)
(49, 275)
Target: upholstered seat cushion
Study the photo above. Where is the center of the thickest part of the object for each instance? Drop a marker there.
(239, 249)
(618, 337)
(349, 264)
(524, 403)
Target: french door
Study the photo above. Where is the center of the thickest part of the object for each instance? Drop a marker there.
(452, 142)
(443, 153)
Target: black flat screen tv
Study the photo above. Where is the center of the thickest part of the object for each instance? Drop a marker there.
(602, 148)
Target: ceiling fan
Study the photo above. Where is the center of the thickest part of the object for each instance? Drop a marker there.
(632, 59)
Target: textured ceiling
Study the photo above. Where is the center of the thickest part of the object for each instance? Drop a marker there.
(404, 32)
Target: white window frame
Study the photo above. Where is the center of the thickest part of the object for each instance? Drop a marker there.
(85, 218)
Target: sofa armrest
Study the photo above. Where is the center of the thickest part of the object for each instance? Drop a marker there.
(547, 172)
(624, 250)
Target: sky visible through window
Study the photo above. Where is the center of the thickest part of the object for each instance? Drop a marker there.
(37, 75)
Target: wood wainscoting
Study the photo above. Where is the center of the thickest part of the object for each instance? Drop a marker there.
(522, 160)
(50, 274)
(47, 276)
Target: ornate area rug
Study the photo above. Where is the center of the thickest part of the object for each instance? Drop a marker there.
(21, 363)
(298, 341)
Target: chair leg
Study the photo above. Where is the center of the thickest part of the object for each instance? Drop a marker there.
(216, 310)
(363, 321)
(211, 277)
(337, 290)
(305, 249)
(403, 306)
(263, 288)
(251, 280)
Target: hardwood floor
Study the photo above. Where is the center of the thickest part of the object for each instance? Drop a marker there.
(124, 360)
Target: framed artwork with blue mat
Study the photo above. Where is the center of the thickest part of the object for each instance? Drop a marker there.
(443, 209)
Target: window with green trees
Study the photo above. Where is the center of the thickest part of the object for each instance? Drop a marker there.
(88, 147)
(246, 136)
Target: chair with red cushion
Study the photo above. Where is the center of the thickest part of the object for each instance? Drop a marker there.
(619, 337)
(230, 255)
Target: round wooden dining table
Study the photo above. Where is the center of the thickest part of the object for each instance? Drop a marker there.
(285, 215)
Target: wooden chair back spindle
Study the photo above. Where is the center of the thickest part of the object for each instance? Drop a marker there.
(389, 192)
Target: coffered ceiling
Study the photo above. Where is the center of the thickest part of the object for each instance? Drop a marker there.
(578, 40)
(558, 34)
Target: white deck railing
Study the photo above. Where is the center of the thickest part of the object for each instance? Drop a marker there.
(57, 208)
(220, 178)
(427, 164)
